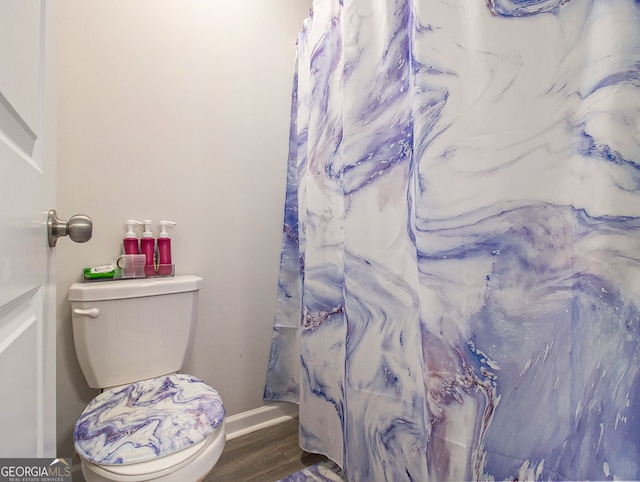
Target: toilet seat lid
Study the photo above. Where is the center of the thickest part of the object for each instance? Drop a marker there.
(147, 419)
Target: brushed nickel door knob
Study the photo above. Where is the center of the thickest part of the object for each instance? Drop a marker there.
(79, 228)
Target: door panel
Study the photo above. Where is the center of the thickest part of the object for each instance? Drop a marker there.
(20, 59)
(27, 192)
(19, 348)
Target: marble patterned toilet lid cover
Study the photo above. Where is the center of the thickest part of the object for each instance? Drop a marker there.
(147, 419)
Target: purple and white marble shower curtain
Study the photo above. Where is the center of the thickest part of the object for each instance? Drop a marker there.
(460, 276)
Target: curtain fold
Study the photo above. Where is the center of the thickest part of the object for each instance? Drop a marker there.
(460, 271)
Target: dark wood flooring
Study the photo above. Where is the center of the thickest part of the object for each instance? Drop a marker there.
(266, 455)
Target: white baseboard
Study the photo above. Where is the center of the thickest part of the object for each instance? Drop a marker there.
(259, 418)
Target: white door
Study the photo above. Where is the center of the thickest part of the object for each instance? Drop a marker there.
(27, 192)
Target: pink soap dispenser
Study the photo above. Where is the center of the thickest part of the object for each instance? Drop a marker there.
(147, 247)
(130, 241)
(164, 249)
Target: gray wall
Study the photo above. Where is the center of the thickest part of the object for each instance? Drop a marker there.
(179, 110)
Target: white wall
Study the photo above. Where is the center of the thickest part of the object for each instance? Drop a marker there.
(179, 110)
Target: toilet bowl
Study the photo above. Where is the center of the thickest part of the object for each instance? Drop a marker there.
(150, 422)
(190, 464)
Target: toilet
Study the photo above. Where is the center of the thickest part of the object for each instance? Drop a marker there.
(149, 422)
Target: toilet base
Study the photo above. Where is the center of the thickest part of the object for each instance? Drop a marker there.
(194, 469)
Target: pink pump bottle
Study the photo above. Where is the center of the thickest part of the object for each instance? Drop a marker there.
(147, 247)
(164, 249)
(130, 242)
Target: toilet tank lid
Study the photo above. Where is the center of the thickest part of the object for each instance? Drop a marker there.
(133, 288)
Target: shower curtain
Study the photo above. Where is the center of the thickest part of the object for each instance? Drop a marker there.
(459, 290)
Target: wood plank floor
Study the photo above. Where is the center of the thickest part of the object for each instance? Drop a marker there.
(266, 455)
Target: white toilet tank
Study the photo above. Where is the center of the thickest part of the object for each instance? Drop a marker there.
(130, 330)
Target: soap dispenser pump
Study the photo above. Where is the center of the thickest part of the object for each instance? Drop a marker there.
(147, 246)
(164, 249)
(130, 241)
